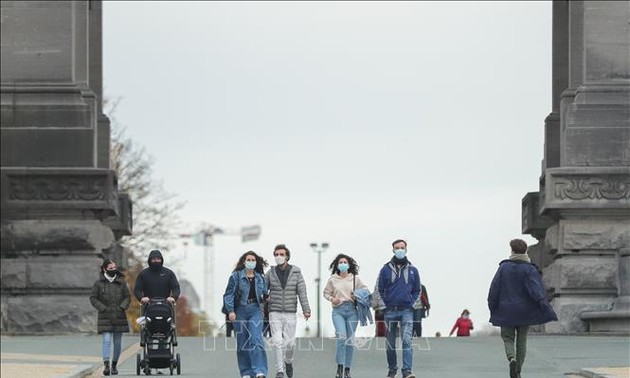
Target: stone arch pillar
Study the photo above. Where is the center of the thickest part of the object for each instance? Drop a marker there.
(581, 212)
(61, 210)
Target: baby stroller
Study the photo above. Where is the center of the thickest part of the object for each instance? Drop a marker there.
(158, 338)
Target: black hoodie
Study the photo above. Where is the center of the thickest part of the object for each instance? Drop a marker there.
(156, 281)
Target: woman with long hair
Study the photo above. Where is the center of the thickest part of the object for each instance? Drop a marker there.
(110, 297)
(243, 300)
(339, 290)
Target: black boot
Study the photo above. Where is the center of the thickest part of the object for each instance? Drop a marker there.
(114, 371)
(346, 373)
(339, 371)
(106, 369)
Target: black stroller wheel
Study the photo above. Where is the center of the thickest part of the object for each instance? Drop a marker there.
(138, 363)
(179, 365)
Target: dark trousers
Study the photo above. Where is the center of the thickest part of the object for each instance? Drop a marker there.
(418, 314)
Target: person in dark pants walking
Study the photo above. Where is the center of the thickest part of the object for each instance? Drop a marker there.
(266, 325)
(517, 299)
(229, 326)
(110, 297)
(420, 311)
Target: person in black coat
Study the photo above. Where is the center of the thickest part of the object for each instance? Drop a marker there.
(110, 297)
(156, 281)
(518, 299)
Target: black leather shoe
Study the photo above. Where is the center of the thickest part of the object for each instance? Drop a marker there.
(339, 371)
(114, 370)
(106, 369)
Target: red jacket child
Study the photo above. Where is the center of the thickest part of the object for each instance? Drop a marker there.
(463, 325)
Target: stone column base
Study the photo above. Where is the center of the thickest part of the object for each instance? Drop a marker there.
(47, 314)
(48, 270)
(617, 322)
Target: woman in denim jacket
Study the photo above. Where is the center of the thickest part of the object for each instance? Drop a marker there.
(243, 300)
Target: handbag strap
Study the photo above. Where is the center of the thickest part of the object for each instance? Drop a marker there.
(354, 284)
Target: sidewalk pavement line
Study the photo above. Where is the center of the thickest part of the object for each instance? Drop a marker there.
(47, 357)
(77, 372)
(601, 372)
(92, 371)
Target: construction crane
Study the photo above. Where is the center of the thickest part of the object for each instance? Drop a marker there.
(205, 238)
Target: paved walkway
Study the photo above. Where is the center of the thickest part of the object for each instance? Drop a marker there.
(548, 356)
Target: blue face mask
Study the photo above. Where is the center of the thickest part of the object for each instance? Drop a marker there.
(250, 265)
(400, 253)
(343, 267)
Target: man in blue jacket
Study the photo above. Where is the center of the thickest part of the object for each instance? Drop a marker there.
(398, 285)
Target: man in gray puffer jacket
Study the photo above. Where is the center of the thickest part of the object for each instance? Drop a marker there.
(286, 285)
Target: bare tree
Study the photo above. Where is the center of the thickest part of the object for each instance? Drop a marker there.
(155, 211)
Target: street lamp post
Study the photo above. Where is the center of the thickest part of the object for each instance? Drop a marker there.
(319, 249)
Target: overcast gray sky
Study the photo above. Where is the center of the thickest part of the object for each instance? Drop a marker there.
(354, 123)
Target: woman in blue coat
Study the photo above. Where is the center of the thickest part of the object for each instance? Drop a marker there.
(517, 300)
(243, 301)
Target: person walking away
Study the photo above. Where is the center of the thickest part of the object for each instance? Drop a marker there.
(266, 326)
(229, 325)
(286, 285)
(420, 311)
(243, 300)
(379, 313)
(398, 289)
(110, 297)
(339, 290)
(517, 299)
(463, 325)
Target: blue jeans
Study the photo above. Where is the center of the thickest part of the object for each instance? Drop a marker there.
(107, 343)
(250, 345)
(345, 319)
(405, 317)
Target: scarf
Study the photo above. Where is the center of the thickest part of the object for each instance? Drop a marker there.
(109, 278)
(398, 261)
(520, 257)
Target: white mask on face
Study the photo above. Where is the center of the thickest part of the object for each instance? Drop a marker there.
(281, 260)
(400, 253)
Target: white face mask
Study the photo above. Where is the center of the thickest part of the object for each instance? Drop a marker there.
(281, 260)
(400, 253)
